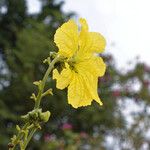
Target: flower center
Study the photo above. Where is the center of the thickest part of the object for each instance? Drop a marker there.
(72, 63)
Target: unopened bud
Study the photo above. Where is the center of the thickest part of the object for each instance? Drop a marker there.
(37, 82)
(18, 128)
(33, 96)
(49, 91)
(45, 116)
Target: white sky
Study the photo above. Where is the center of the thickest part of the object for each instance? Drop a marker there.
(124, 23)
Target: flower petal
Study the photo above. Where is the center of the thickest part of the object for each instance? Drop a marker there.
(91, 83)
(84, 25)
(66, 38)
(90, 42)
(83, 90)
(99, 66)
(64, 78)
(98, 42)
(78, 94)
(93, 65)
(95, 92)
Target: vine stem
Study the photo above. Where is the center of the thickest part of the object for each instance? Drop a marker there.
(41, 89)
(37, 105)
(29, 137)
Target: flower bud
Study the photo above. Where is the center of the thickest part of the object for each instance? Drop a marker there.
(45, 116)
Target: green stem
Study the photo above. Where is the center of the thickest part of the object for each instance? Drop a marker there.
(37, 103)
(29, 137)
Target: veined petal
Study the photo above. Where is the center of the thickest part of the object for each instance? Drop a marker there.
(99, 66)
(64, 78)
(94, 82)
(90, 42)
(93, 65)
(78, 94)
(66, 38)
(83, 37)
(91, 82)
(98, 42)
(83, 90)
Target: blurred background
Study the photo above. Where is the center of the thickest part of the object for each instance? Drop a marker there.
(27, 28)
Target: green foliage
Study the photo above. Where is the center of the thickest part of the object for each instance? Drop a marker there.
(11, 22)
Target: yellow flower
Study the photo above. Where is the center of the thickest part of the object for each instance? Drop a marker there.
(82, 66)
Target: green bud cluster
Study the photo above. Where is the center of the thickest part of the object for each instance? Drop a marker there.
(36, 116)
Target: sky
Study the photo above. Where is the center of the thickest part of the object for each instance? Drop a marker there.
(125, 24)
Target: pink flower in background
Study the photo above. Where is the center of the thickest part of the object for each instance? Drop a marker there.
(146, 83)
(83, 135)
(66, 126)
(146, 68)
(47, 137)
(116, 93)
